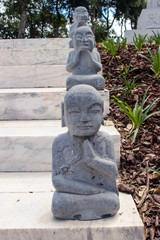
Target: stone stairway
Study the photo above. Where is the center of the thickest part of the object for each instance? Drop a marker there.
(32, 87)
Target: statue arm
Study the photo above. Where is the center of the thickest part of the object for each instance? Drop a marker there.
(95, 58)
(62, 184)
(105, 166)
(71, 61)
(60, 177)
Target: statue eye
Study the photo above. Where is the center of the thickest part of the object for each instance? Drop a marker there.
(79, 37)
(95, 111)
(89, 35)
(74, 111)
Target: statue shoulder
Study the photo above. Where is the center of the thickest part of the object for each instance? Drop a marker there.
(96, 55)
(102, 136)
(60, 142)
(105, 143)
(71, 55)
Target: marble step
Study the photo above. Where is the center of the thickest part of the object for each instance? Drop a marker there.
(35, 76)
(29, 104)
(36, 103)
(25, 207)
(33, 56)
(26, 145)
(56, 43)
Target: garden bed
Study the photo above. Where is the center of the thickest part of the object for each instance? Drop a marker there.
(142, 183)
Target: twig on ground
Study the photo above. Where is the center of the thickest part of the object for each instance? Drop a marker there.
(146, 190)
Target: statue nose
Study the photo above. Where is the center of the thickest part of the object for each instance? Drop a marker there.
(84, 39)
(85, 118)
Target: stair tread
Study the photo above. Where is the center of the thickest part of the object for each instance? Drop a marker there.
(40, 128)
(25, 204)
(30, 90)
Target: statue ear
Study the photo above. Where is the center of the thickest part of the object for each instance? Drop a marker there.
(62, 113)
(102, 121)
(94, 42)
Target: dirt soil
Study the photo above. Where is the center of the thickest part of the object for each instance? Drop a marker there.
(143, 184)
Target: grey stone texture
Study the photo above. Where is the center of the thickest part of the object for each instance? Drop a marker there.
(84, 171)
(148, 21)
(153, 3)
(80, 18)
(84, 62)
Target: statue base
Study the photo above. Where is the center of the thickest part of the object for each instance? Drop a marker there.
(95, 81)
(25, 205)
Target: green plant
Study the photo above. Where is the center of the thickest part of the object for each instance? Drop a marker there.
(139, 41)
(110, 46)
(150, 40)
(129, 84)
(155, 62)
(154, 170)
(156, 38)
(123, 43)
(138, 115)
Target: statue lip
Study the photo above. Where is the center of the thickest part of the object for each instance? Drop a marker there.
(85, 127)
(83, 18)
(84, 45)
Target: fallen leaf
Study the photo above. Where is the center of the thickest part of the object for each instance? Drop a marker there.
(153, 176)
(152, 233)
(156, 198)
(145, 207)
(125, 188)
(157, 191)
(157, 221)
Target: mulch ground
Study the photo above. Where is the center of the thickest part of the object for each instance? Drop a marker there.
(143, 184)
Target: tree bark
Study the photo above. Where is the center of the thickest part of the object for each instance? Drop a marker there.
(21, 32)
(59, 20)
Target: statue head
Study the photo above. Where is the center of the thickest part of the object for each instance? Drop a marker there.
(82, 111)
(83, 39)
(80, 15)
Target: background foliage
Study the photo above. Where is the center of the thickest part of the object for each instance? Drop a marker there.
(49, 18)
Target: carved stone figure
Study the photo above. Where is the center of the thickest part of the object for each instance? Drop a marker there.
(83, 168)
(80, 18)
(84, 62)
(153, 3)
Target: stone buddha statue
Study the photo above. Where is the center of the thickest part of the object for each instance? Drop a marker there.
(153, 3)
(84, 171)
(84, 62)
(80, 18)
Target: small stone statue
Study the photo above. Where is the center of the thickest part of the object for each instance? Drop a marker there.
(84, 62)
(84, 171)
(153, 3)
(80, 18)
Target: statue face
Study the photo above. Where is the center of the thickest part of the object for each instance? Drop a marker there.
(83, 39)
(83, 113)
(80, 15)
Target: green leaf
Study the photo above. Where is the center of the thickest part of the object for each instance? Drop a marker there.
(154, 170)
(139, 114)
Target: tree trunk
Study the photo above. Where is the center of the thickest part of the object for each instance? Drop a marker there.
(58, 22)
(21, 32)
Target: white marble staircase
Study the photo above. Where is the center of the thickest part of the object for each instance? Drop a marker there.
(32, 86)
